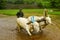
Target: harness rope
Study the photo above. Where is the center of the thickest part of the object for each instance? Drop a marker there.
(32, 19)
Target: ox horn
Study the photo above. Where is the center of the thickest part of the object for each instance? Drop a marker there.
(45, 13)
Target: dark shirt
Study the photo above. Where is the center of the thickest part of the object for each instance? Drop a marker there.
(19, 14)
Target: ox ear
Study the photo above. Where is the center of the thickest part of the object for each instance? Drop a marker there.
(45, 12)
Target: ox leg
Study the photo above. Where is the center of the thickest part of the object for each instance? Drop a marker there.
(43, 27)
(18, 27)
(40, 28)
(36, 28)
(28, 31)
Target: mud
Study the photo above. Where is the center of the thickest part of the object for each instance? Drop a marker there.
(8, 30)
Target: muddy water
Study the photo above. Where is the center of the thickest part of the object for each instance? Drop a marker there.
(8, 32)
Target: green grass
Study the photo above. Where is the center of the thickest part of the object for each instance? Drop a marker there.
(8, 12)
(26, 11)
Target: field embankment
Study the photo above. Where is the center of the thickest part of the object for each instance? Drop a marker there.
(28, 11)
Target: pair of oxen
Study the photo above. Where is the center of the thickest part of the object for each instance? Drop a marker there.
(34, 23)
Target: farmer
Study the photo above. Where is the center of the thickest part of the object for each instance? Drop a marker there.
(20, 13)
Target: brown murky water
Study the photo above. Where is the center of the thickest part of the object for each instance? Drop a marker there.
(8, 32)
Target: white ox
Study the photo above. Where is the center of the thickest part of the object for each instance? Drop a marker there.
(42, 20)
(24, 23)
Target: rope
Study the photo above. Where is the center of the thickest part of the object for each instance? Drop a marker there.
(32, 19)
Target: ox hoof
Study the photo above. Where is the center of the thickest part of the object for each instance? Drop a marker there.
(41, 30)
